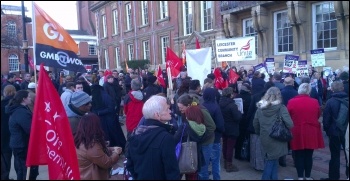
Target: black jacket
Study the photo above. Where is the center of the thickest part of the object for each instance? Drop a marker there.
(330, 113)
(151, 153)
(252, 109)
(150, 90)
(112, 91)
(232, 116)
(19, 125)
(5, 132)
(247, 98)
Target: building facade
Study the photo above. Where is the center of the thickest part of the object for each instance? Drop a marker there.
(12, 55)
(291, 27)
(141, 30)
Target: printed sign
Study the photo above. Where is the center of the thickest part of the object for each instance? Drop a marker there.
(302, 69)
(290, 64)
(261, 68)
(318, 58)
(235, 49)
(270, 65)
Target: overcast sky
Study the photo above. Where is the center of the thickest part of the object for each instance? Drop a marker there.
(63, 12)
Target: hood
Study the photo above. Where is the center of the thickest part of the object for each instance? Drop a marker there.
(269, 109)
(209, 95)
(136, 95)
(10, 109)
(144, 136)
(224, 101)
(339, 95)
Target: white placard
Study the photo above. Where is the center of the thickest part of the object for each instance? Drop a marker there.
(318, 58)
(239, 103)
(235, 49)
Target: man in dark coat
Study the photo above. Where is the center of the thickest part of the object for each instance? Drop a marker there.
(257, 83)
(26, 81)
(11, 78)
(112, 91)
(152, 88)
(344, 76)
(336, 137)
(288, 92)
(152, 144)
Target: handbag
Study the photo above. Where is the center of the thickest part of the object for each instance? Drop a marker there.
(188, 160)
(279, 130)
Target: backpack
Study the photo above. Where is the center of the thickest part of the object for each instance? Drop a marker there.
(343, 115)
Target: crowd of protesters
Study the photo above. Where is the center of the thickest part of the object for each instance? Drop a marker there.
(100, 103)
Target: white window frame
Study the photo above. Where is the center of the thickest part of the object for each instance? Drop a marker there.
(13, 63)
(115, 22)
(203, 23)
(332, 26)
(131, 51)
(92, 49)
(104, 26)
(245, 33)
(144, 12)
(11, 29)
(128, 16)
(164, 43)
(117, 56)
(106, 58)
(146, 50)
(187, 17)
(288, 29)
(163, 9)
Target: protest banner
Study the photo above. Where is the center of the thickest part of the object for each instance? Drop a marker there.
(51, 140)
(302, 69)
(270, 65)
(261, 68)
(235, 49)
(173, 62)
(198, 63)
(318, 58)
(290, 64)
(53, 45)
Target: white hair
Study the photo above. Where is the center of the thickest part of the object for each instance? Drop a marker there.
(304, 88)
(153, 105)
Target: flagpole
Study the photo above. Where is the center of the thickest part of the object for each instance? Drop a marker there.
(216, 60)
(34, 42)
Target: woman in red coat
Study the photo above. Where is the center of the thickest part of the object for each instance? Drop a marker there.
(307, 134)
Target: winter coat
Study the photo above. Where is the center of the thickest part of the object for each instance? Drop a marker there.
(307, 132)
(94, 163)
(113, 91)
(74, 116)
(150, 90)
(232, 116)
(24, 85)
(330, 113)
(215, 112)
(5, 132)
(151, 153)
(346, 87)
(257, 85)
(288, 93)
(133, 103)
(264, 119)
(6, 83)
(252, 110)
(247, 98)
(19, 124)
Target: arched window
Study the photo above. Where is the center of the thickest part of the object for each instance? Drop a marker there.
(13, 63)
(11, 29)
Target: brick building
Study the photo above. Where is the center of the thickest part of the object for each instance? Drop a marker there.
(135, 30)
(12, 56)
(291, 27)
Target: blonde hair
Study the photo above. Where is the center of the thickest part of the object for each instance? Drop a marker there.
(9, 90)
(272, 96)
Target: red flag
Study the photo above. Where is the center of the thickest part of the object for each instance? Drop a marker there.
(197, 44)
(51, 142)
(160, 77)
(220, 83)
(174, 62)
(31, 63)
(232, 77)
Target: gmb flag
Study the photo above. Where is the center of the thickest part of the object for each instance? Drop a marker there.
(53, 46)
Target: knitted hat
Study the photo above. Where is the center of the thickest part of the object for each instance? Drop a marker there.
(80, 98)
(152, 79)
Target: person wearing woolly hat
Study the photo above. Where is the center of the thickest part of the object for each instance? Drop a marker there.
(344, 76)
(80, 104)
(152, 88)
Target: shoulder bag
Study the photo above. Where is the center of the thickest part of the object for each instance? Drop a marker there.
(188, 160)
(279, 130)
